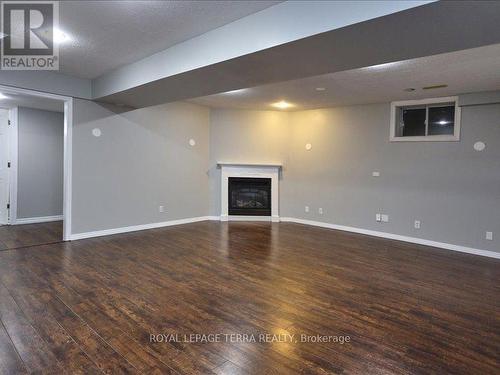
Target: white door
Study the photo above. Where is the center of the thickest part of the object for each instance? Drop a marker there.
(4, 171)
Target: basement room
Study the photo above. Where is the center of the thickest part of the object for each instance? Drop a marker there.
(250, 187)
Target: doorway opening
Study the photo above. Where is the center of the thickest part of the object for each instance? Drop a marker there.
(35, 168)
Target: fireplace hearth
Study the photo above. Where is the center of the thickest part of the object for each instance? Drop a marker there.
(249, 196)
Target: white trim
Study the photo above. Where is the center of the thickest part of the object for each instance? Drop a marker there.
(134, 228)
(5, 192)
(428, 138)
(426, 101)
(420, 241)
(68, 127)
(13, 158)
(17, 90)
(224, 163)
(40, 219)
(68, 168)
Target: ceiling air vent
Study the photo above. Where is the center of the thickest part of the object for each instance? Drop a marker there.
(434, 87)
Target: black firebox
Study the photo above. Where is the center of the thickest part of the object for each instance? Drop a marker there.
(249, 196)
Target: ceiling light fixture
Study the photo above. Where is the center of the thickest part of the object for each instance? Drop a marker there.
(2, 96)
(61, 37)
(320, 89)
(282, 105)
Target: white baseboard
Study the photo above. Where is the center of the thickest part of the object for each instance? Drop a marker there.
(420, 241)
(35, 220)
(134, 228)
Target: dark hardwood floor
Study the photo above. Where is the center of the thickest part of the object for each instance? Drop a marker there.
(90, 306)
(16, 236)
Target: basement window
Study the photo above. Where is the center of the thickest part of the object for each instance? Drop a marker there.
(436, 119)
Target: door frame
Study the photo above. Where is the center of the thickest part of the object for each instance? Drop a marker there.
(67, 159)
(12, 155)
(7, 176)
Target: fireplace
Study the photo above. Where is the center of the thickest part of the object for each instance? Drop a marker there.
(249, 196)
(249, 191)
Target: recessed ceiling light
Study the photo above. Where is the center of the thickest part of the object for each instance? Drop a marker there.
(2, 96)
(320, 89)
(282, 105)
(61, 37)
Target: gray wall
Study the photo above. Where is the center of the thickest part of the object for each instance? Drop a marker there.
(452, 189)
(245, 136)
(142, 160)
(40, 163)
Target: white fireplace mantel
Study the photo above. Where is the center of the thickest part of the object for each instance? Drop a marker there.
(256, 170)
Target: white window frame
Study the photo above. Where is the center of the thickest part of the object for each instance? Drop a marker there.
(455, 137)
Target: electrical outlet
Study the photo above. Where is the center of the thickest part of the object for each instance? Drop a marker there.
(306, 208)
(320, 211)
(376, 174)
(378, 217)
(489, 236)
(161, 209)
(417, 224)
(385, 218)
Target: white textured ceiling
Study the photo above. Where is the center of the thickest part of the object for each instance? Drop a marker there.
(108, 34)
(20, 100)
(471, 70)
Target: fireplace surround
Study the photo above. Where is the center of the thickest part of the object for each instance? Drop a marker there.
(249, 191)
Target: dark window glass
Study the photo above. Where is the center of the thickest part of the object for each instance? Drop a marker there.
(441, 120)
(412, 122)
